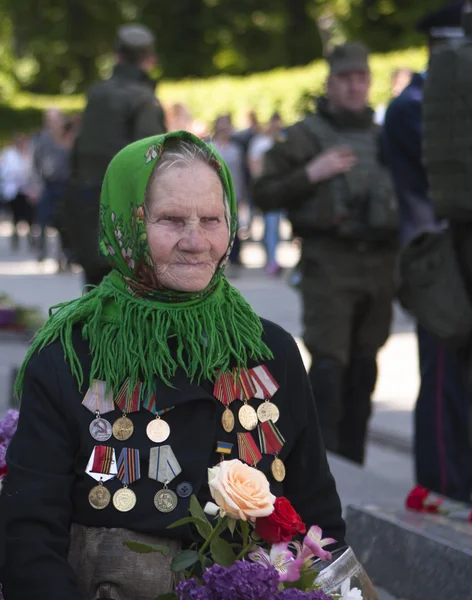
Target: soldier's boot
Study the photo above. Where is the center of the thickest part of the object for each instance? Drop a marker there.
(327, 381)
(357, 408)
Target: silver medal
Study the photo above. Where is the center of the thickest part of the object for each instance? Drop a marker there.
(100, 429)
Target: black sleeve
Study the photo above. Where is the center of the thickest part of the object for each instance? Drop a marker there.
(284, 183)
(148, 119)
(309, 484)
(35, 502)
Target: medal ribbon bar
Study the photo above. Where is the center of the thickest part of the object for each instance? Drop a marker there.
(270, 438)
(248, 450)
(128, 466)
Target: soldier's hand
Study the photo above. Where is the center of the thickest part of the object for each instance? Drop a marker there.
(330, 163)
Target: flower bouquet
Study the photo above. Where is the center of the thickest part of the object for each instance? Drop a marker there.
(249, 547)
(18, 319)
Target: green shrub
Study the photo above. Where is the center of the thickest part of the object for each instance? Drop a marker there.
(283, 90)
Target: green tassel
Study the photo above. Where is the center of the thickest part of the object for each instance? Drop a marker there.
(131, 338)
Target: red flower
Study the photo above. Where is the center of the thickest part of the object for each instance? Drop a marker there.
(418, 500)
(282, 525)
(3, 471)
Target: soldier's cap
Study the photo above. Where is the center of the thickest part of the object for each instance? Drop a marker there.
(135, 37)
(445, 23)
(349, 57)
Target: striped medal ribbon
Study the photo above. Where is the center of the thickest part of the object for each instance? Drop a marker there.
(266, 388)
(272, 441)
(129, 471)
(226, 390)
(248, 450)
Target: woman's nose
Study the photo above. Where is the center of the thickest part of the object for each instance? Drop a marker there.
(194, 241)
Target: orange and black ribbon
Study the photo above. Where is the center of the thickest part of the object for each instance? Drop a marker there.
(248, 450)
(127, 400)
(102, 460)
(128, 466)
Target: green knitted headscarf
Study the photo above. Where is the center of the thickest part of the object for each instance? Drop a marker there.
(134, 329)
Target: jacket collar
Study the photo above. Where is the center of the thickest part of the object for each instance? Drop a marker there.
(132, 73)
(345, 119)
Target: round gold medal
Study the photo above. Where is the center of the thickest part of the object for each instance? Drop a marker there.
(165, 500)
(123, 428)
(247, 417)
(124, 500)
(99, 497)
(158, 431)
(278, 470)
(268, 411)
(227, 420)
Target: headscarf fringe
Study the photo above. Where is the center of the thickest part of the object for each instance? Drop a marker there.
(141, 343)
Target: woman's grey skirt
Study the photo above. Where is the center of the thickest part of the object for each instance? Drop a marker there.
(107, 569)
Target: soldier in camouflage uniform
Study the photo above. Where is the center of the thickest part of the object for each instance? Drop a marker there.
(326, 173)
(119, 111)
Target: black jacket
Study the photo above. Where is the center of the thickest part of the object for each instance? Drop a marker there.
(119, 111)
(46, 488)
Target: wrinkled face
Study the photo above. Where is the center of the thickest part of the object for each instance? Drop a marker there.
(349, 91)
(186, 226)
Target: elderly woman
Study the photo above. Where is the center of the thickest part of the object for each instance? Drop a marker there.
(131, 392)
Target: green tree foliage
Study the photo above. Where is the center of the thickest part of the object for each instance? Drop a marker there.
(383, 25)
(67, 41)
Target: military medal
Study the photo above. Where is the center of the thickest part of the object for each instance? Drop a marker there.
(101, 467)
(129, 471)
(247, 416)
(99, 402)
(157, 430)
(266, 387)
(248, 450)
(128, 401)
(226, 390)
(271, 442)
(164, 467)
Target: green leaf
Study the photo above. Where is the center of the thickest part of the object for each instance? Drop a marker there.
(203, 527)
(141, 548)
(306, 582)
(170, 596)
(202, 523)
(183, 560)
(232, 525)
(244, 532)
(222, 552)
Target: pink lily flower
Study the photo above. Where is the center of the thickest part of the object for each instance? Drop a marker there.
(281, 558)
(313, 545)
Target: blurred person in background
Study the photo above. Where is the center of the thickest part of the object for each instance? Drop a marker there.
(243, 138)
(51, 162)
(233, 155)
(400, 78)
(20, 185)
(179, 118)
(119, 111)
(443, 453)
(258, 146)
(327, 174)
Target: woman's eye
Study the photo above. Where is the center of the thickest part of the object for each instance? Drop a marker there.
(172, 219)
(210, 220)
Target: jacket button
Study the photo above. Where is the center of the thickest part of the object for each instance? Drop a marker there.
(184, 489)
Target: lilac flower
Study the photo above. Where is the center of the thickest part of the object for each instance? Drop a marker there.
(8, 425)
(241, 581)
(3, 452)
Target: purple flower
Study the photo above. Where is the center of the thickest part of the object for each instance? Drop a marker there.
(293, 594)
(241, 581)
(8, 425)
(3, 452)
